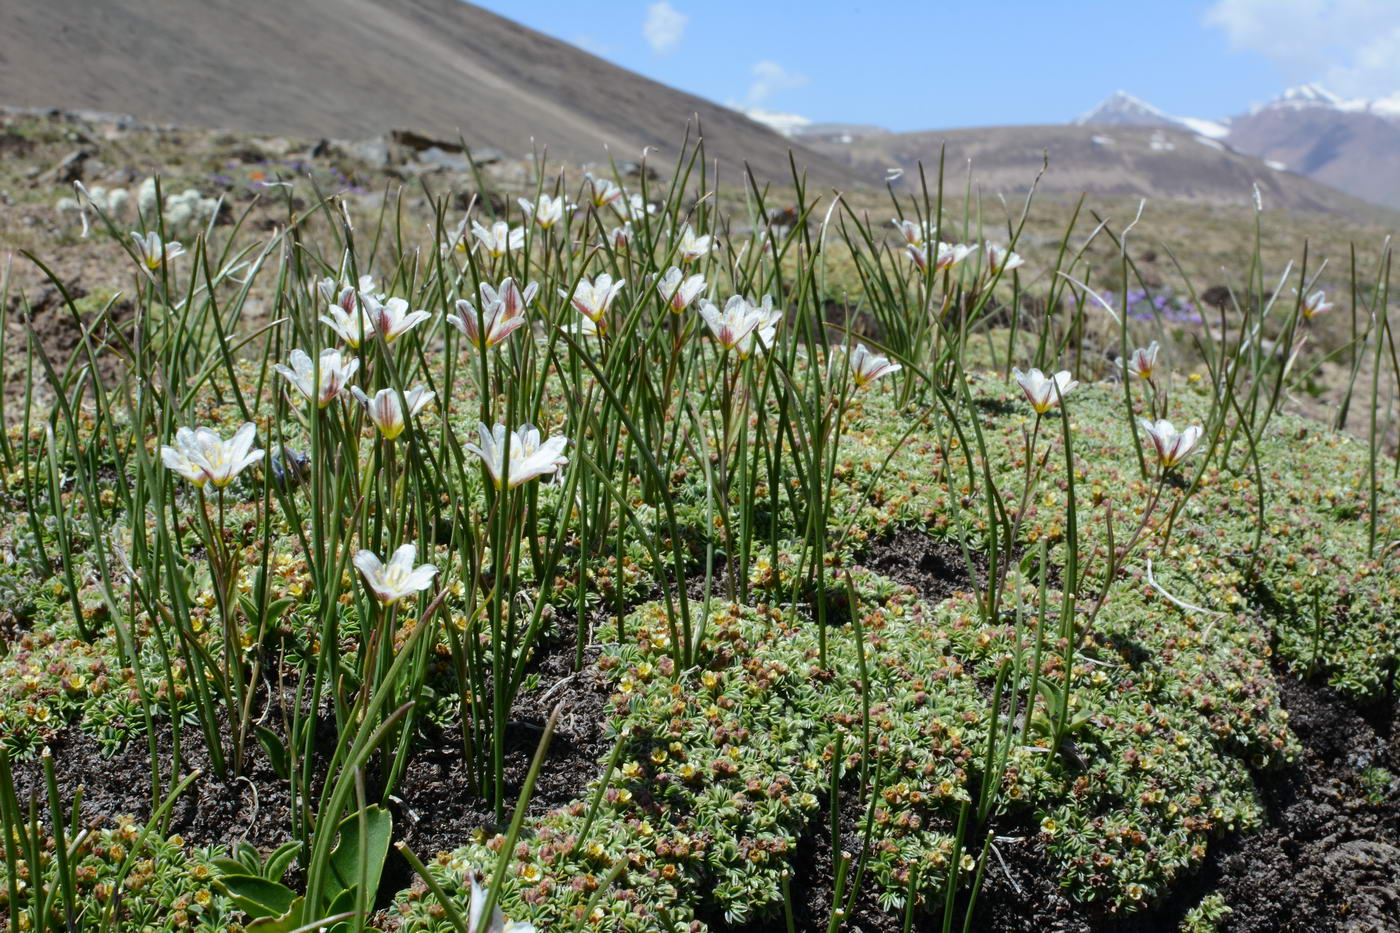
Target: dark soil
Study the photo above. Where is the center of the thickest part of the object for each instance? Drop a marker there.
(1329, 857)
(433, 808)
(60, 334)
(935, 568)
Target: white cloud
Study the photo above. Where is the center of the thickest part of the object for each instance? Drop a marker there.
(1349, 46)
(769, 78)
(664, 27)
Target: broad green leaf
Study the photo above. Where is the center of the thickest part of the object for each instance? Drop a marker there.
(258, 897)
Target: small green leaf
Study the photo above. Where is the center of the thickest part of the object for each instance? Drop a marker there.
(258, 897)
(228, 866)
(280, 860)
(276, 750)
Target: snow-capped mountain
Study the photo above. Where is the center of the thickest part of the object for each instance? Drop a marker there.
(1123, 109)
(1303, 97)
(1350, 143)
(1315, 96)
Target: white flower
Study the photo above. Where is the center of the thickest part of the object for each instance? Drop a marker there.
(335, 292)
(352, 323)
(1172, 446)
(914, 233)
(529, 458)
(343, 294)
(153, 253)
(385, 410)
(1044, 391)
(947, 255)
(503, 312)
(692, 247)
(602, 191)
(587, 327)
(678, 292)
(761, 337)
(621, 237)
(1143, 361)
(327, 288)
(391, 318)
(546, 212)
(513, 300)
(333, 370)
(177, 458)
(393, 581)
(201, 456)
(1000, 259)
(865, 366)
(498, 922)
(950, 254)
(636, 208)
(1315, 304)
(459, 242)
(593, 299)
(737, 322)
(500, 238)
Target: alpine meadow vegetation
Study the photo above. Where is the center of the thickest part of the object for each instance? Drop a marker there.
(880, 544)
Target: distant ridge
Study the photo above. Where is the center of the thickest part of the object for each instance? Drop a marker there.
(1123, 109)
(359, 68)
(1140, 161)
(1350, 143)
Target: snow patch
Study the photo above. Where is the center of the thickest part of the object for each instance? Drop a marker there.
(788, 124)
(1387, 106)
(1311, 96)
(1276, 165)
(1211, 128)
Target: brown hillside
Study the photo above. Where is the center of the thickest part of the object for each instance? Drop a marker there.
(1357, 152)
(358, 68)
(1152, 162)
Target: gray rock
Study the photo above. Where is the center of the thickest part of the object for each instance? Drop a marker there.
(70, 169)
(375, 152)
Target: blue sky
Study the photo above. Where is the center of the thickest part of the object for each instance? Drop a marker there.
(930, 64)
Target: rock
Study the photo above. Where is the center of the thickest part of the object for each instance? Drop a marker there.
(70, 169)
(410, 139)
(485, 155)
(422, 145)
(275, 146)
(374, 152)
(630, 169)
(434, 159)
